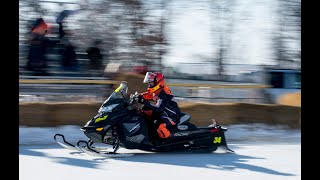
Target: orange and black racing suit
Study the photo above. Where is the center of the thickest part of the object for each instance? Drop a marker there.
(165, 109)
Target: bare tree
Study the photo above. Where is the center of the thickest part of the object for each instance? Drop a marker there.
(223, 12)
(287, 39)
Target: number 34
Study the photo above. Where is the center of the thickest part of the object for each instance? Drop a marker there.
(217, 140)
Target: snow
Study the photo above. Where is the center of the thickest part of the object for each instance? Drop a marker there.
(263, 161)
(257, 157)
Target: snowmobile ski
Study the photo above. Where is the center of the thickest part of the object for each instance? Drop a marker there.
(100, 153)
(65, 143)
(70, 146)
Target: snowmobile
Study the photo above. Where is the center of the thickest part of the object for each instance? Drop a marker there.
(120, 123)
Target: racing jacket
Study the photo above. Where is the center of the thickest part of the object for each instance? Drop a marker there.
(164, 104)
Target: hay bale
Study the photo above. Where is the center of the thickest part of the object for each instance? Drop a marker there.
(290, 99)
(202, 113)
(238, 113)
(55, 114)
(274, 114)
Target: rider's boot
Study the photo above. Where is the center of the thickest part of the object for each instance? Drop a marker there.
(163, 132)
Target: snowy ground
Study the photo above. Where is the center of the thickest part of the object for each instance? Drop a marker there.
(262, 152)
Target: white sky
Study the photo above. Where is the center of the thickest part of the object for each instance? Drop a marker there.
(189, 33)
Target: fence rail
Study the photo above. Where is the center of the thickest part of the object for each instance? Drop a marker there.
(101, 88)
(108, 82)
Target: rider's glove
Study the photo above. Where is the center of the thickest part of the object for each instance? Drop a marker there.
(141, 99)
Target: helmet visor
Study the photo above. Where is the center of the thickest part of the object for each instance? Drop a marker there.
(149, 77)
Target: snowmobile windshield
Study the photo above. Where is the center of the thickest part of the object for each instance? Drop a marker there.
(119, 93)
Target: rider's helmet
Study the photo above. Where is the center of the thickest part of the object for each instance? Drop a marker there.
(155, 80)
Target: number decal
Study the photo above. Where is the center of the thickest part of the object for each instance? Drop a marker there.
(217, 140)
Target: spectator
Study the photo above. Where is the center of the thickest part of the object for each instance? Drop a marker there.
(69, 56)
(95, 58)
(60, 19)
(38, 46)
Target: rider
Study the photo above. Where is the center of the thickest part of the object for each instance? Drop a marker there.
(165, 108)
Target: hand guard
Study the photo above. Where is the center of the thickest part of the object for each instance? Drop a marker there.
(133, 98)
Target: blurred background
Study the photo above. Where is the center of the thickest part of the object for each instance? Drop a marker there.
(209, 51)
